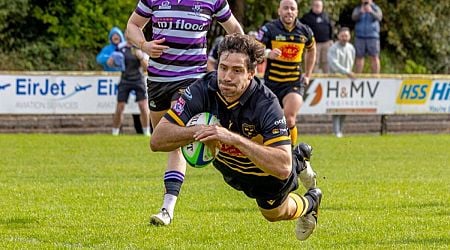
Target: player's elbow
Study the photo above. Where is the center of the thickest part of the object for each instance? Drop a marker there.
(156, 143)
(284, 172)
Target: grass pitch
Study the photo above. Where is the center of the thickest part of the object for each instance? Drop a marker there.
(98, 191)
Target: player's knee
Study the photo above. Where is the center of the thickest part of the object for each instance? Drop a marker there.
(270, 218)
(271, 215)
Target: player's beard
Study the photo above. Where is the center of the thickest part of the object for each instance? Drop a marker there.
(231, 91)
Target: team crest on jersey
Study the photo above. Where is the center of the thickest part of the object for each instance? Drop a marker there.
(280, 38)
(165, 5)
(248, 130)
(197, 8)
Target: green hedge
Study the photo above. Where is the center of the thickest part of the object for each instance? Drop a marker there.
(66, 35)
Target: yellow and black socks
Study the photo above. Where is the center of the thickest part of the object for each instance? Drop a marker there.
(304, 205)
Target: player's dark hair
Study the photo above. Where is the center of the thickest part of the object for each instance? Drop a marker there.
(245, 44)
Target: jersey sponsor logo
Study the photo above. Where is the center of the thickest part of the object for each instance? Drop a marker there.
(277, 131)
(249, 130)
(280, 38)
(270, 202)
(230, 150)
(281, 121)
(180, 24)
(414, 91)
(179, 106)
(290, 52)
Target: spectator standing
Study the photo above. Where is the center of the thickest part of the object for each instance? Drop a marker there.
(177, 59)
(367, 34)
(319, 22)
(341, 57)
(116, 37)
(132, 63)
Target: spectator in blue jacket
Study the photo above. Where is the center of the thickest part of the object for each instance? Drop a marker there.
(115, 38)
(111, 60)
(367, 34)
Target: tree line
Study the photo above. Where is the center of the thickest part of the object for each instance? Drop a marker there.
(67, 34)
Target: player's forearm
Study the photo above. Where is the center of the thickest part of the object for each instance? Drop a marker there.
(232, 26)
(168, 136)
(134, 32)
(135, 35)
(272, 160)
(310, 60)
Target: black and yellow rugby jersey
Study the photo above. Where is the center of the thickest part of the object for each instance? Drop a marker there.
(287, 67)
(257, 115)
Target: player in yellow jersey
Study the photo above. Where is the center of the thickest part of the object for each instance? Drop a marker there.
(286, 40)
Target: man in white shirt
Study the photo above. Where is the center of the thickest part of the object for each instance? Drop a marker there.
(341, 57)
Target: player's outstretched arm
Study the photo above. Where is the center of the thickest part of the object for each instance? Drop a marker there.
(168, 136)
(277, 161)
(232, 26)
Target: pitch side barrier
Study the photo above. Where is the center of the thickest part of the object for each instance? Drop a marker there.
(378, 94)
(76, 92)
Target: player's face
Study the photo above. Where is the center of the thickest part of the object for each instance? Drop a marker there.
(233, 76)
(288, 11)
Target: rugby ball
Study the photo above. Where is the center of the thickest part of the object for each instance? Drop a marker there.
(196, 153)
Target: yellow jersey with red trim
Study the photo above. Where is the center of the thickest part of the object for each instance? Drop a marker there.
(287, 67)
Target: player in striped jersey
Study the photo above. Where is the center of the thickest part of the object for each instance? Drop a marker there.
(177, 58)
(255, 154)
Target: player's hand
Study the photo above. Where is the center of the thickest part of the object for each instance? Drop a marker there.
(351, 75)
(306, 80)
(154, 48)
(110, 62)
(274, 54)
(214, 134)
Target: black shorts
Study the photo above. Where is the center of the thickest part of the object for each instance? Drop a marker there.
(124, 90)
(268, 191)
(282, 89)
(161, 94)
